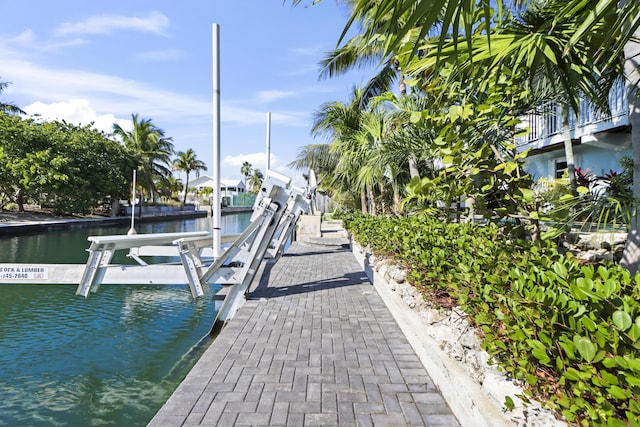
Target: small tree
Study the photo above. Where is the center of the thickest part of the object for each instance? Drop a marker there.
(246, 171)
(187, 161)
(207, 192)
(255, 181)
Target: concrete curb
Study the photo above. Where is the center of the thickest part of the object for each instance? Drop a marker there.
(467, 400)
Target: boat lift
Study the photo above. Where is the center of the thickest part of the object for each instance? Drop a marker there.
(275, 214)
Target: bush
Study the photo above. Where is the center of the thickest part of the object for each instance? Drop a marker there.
(568, 332)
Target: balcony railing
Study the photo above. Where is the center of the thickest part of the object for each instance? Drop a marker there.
(545, 122)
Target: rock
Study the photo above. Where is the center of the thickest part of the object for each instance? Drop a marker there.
(617, 253)
(586, 245)
(603, 254)
(397, 274)
(589, 256)
(410, 301)
(455, 336)
(469, 340)
(431, 316)
(571, 238)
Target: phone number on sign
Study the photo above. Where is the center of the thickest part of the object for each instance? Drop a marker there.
(23, 273)
(13, 276)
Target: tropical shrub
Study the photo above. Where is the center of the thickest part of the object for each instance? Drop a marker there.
(567, 331)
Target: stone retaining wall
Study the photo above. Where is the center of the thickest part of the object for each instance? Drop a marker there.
(449, 348)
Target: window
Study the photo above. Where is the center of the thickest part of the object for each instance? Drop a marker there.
(561, 167)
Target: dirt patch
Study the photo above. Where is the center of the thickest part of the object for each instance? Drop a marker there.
(33, 214)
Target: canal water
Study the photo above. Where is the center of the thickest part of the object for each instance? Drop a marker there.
(111, 359)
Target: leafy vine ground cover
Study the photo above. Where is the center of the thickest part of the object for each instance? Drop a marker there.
(568, 332)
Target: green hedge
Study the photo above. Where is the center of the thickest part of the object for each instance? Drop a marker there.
(568, 332)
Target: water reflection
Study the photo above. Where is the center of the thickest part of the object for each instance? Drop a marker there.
(111, 359)
(70, 245)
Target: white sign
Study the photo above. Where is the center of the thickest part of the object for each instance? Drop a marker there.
(24, 272)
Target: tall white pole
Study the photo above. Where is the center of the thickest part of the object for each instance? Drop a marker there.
(268, 165)
(216, 142)
(132, 230)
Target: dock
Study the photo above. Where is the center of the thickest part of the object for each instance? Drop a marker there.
(314, 344)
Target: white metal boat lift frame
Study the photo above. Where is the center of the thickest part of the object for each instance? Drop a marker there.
(276, 211)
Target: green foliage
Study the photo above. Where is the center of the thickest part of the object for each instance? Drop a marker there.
(568, 332)
(72, 169)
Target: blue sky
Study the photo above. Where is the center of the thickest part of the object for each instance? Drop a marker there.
(102, 61)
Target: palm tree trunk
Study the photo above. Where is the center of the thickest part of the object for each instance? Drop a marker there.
(631, 255)
(568, 148)
(397, 202)
(383, 205)
(20, 200)
(186, 188)
(413, 167)
(402, 85)
(413, 162)
(363, 201)
(372, 200)
(140, 204)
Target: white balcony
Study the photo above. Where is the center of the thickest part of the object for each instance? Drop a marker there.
(545, 122)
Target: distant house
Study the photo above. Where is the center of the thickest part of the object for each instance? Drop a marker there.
(598, 141)
(231, 191)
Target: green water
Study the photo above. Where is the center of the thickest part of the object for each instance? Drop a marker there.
(111, 359)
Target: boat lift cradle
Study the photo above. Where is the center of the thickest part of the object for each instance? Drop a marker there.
(273, 221)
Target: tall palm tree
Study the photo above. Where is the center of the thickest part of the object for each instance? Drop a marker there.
(8, 107)
(245, 170)
(187, 162)
(360, 51)
(459, 19)
(340, 123)
(405, 24)
(255, 181)
(151, 148)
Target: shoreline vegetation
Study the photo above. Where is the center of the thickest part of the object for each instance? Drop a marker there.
(34, 215)
(37, 214)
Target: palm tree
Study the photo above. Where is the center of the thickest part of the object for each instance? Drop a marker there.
(8, 107)
(605, 27)
(246, 171)
(256, 180)
(206, 192)
(170, 187)
(550, 71)
(360, 51)
(458, 19)
(151, 148)
(341, 123)
(187, 161)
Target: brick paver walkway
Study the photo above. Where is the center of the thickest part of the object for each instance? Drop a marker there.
(315, 345)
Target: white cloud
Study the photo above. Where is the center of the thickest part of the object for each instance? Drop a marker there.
(155, 22)
(160, 55)
(24, 37)
(257, 160)
(76, 111)
(231, 113)
(273, 95)
(314, 52)
(27, 40)
(121, 97)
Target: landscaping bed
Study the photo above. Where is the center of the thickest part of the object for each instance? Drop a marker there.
(567, 332)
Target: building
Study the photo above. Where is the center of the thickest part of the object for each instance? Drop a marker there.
(598, 141)
(232, 192)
